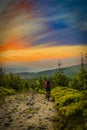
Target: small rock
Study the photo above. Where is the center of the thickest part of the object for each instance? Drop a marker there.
(24, 115)
(7, 124)
(53, 110)
(29, 103)
(30, 115)
(51, 99)
(43, 127)
(21, 113)
(31, 127)
(10, 119)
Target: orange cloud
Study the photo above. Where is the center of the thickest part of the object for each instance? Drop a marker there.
(35, 53)
(10, 46)
(13, 45)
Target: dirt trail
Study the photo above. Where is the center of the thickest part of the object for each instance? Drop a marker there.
(28, 111)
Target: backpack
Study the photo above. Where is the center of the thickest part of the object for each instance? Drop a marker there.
(47, 84)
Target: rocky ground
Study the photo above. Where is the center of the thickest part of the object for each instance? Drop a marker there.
(28, 111)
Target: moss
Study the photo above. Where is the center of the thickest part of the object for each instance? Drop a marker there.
(31, 110)
(41, 91)
(71, 106)
(28, 111)
(6, 91)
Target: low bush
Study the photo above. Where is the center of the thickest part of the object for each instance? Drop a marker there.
(71, 105)
(6, 91)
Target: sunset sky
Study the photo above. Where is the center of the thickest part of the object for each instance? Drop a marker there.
(35, 34)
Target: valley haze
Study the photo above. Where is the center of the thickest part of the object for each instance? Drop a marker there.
(68, 71)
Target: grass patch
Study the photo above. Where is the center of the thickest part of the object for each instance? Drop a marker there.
(31, 110)
(71, 105)
(28, 111)
(6, 91)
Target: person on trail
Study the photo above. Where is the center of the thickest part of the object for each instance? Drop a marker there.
(47, 86)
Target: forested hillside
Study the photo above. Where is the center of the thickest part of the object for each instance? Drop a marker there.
(69, 71)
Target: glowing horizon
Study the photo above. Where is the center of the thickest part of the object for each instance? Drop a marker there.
(42, 53)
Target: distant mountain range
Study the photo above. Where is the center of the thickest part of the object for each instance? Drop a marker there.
(69, 71)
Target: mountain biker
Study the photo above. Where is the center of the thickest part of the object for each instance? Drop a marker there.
(47, 86)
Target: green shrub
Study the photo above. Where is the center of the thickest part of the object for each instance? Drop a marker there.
(59, 79)
(71, 105)
(5, 91)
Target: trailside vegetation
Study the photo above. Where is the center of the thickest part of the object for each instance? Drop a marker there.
(71, 108)
(71, 101)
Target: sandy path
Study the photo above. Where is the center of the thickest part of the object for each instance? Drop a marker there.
(28, 111)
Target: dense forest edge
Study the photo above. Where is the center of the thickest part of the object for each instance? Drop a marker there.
(69, 94)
